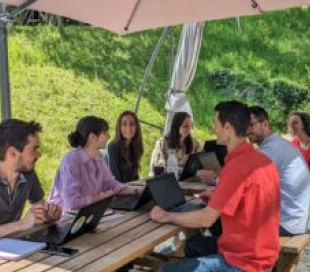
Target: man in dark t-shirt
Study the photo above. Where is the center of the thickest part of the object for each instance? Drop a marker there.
(19, 151)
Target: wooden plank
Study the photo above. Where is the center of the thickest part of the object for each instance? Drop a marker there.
(104, 250)
(296, 243)
(190, 188)
(88, 242)
(37, 227)
(3, 261)
(39, 257)
(136, 248)
(283, 241)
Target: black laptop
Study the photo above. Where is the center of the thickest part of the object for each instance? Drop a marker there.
(198, 161)
(131, 202)
(168, 195)
(220, 150)
(85, 221)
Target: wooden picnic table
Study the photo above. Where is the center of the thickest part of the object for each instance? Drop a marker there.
(116, 243)
(189, 186)
(192, 186)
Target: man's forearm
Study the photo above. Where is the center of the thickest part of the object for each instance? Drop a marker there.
(197, 219)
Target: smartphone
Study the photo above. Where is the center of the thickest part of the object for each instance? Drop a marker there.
(60, 251)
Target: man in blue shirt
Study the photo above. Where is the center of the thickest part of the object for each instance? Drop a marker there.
(293, 170)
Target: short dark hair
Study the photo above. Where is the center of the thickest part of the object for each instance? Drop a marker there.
(14, 132)
(259, 113)
(235, 113)
(85, 126)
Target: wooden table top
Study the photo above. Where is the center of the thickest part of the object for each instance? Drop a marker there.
(115, 243)
(189, 186)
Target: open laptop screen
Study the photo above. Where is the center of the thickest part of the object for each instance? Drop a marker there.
(85, 221)
(166, 191)
(220, 150)
(192, 165)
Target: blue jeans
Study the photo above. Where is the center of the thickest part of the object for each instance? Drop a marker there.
(212, 263)
(284, 232)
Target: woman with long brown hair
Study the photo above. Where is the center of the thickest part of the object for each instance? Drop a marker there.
(124, 153)
(83, 176)
(179, 138)
(299, 128)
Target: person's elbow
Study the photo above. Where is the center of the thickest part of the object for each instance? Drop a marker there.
(208, 218)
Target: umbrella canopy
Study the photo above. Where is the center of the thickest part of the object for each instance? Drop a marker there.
(126, 16)
(184, 71)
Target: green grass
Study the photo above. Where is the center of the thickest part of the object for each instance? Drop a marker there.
(58, 77)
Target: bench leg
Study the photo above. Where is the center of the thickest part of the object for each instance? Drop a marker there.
(287, 262)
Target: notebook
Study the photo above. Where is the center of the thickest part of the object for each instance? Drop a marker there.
(14, 249)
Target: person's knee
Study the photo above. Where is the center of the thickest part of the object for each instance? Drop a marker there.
(199, 246)
(188, 265)
(170, 267)
(163, 268)
(190, 249)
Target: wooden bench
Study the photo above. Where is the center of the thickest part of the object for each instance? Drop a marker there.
(291, 248)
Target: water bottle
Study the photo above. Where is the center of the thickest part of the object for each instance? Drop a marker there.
(172, 163)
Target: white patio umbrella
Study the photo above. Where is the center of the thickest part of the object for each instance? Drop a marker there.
(125, 16)
(184, 71)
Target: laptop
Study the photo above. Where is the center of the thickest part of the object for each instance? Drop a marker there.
(131, 202)
(168, 195)
(220, 150)
(198, 161)
(85, 221)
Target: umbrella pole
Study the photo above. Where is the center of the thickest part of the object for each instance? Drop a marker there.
(150, 66)
(5, 19)
(4, 68)
(171, 36)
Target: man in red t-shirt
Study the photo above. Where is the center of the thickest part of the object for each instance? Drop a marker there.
(247, 199)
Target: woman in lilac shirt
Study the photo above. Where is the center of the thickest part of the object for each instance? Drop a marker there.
(83, 176)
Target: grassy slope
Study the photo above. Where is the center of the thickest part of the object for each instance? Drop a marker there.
(58, 77)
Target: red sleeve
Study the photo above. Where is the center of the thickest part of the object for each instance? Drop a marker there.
(228, 193)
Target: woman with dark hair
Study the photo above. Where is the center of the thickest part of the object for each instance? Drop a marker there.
(83, 176)
(124, 153)
(179, 138)
(299, 128)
